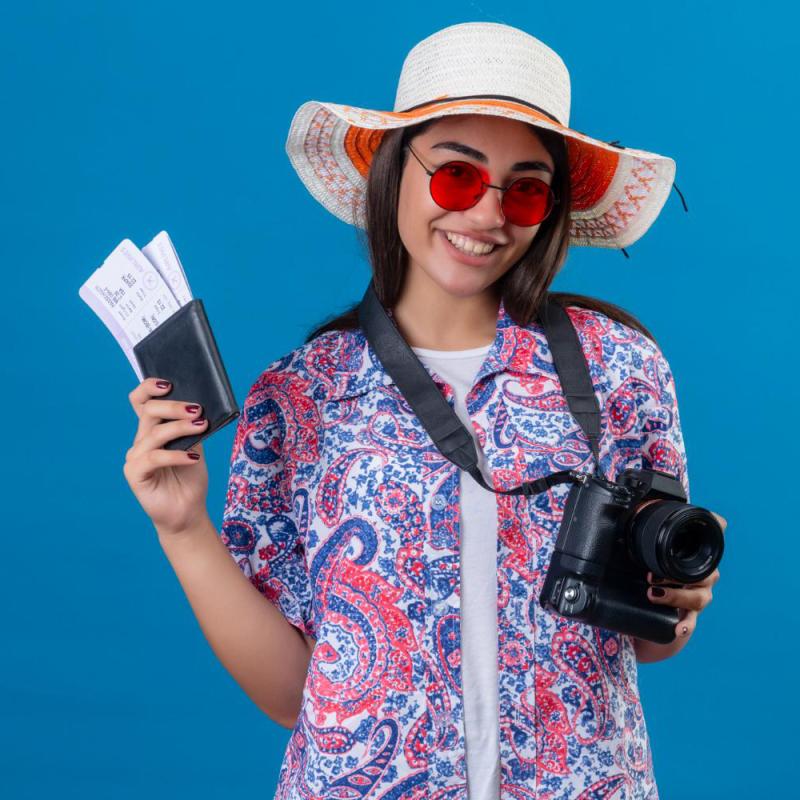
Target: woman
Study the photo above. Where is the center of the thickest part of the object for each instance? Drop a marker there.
(403, 642)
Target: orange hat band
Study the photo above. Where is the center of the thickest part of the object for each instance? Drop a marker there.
(591, 170)
(505, 97)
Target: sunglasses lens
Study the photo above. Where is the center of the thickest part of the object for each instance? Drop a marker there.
(456, 186)
(528, 201)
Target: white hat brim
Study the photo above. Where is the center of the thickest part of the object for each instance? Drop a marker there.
(625, 191)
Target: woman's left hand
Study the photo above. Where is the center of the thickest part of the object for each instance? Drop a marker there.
(690, 600)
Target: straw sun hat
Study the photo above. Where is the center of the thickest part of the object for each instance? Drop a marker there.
(482, 68)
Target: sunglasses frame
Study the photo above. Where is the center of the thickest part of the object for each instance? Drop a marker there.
(486, 186)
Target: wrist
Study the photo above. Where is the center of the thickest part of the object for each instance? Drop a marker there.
(185, 538)
(648, 652)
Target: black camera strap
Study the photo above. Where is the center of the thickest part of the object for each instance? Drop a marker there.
(572, 369)
(442, 423)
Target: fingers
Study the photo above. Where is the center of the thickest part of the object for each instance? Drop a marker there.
(154, 412)
(685, 628)
(694, 597)
(690, 599)
(140, 467)
(162, 432)
(151, 410)
(149, 387)
(711, 580)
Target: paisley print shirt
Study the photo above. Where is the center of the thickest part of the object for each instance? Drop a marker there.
(344, 515)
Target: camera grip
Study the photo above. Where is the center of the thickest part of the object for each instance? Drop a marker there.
(627, 609)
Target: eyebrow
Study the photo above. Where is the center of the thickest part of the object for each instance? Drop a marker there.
(466, 150)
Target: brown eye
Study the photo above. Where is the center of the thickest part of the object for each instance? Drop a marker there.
(529, 187)
(456, 185)
(458, 171)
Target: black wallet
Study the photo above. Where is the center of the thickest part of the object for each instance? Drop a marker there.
(182, 350)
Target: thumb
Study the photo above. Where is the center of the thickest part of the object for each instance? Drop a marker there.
(197, 447)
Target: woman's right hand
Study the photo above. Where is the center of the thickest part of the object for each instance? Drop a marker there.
(170, 485)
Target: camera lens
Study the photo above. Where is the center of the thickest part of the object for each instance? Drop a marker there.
(677, 541)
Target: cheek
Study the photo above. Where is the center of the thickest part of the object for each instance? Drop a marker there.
(403, 212)
(415, 213)
(523, 239)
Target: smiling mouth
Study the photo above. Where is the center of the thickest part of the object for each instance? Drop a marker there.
(469, 246)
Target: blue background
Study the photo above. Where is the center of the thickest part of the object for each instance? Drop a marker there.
(122, 120)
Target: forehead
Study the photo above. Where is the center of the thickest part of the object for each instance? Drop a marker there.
(488, 133)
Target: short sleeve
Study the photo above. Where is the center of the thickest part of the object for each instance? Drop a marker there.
(259, 527)
(642, 412)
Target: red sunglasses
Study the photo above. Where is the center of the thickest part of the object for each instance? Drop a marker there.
(459, 185)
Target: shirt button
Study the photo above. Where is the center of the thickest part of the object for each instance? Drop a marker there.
(439, 502)
(441, 608)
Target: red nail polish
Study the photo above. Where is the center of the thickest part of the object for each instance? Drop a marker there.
(657, 591)
(194, 456)
(193, 409)
(198, 422)
(163, 384)
(684, 630)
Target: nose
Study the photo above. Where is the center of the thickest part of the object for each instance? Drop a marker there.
(488, 211)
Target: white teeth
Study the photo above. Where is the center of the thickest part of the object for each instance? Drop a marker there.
(467, 245)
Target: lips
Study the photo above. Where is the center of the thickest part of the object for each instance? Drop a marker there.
(467, 258)
(470, 246)
(476, 237)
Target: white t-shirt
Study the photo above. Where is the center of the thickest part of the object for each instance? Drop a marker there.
(478, 589)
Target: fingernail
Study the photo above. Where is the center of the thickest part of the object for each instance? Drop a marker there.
(657, 591)
(192, 455)
(684, 631)
(198, 422)
(193, 409)
(163, 384)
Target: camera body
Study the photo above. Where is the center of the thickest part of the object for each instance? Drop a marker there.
(611, 535)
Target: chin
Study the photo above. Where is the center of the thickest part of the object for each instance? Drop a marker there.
(461, 286)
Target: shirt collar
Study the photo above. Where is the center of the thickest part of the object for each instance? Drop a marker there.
(357, 369)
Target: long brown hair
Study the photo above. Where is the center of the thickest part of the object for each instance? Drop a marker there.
(521, 287)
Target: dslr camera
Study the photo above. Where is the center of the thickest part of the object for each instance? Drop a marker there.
(611, 535)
